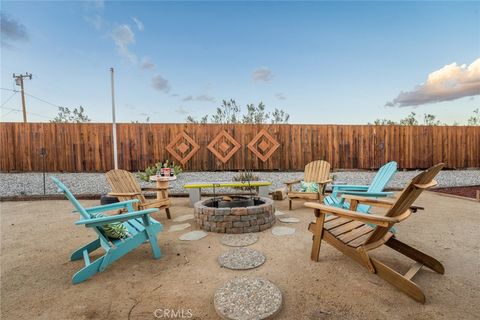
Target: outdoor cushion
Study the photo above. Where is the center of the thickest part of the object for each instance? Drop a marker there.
(114, 230)
(308, 186)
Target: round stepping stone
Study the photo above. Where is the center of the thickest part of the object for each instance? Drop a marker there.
(289, 219)
(239, 240)
(282, 231)
(247, 298)
(185, 217)
(279, 213)
(241, 259)
(178, 227)
(193, 235)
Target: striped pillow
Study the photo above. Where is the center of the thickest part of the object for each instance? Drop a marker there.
(114, 230)
(308, 186)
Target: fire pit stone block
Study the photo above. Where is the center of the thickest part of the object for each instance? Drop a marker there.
(235, 220)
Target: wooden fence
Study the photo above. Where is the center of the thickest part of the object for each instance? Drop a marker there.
(88, 147)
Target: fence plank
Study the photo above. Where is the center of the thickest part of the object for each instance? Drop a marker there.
(88, 147)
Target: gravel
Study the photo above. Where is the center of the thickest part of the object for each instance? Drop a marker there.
(246, 298)
(17, 184)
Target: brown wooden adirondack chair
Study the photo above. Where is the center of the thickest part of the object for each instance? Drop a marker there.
(316, 171)
(125, 187)
(351, 232)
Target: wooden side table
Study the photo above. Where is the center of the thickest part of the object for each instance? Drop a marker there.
(163, 184)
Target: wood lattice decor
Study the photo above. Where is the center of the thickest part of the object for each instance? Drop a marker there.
(182, 147)
(263, 145)
(223, 146)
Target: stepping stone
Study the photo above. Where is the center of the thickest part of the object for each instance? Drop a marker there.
(239, 240)
(246, 298)
(193, 235)
(185, 217)
(178, 227)
(279, 213)
(241, 259)
(289, 219)
(282, 231)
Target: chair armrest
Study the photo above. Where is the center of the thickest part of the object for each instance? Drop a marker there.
(325, 181)
(432, 183)
(123, 194)
(342, 187)
(293, 181)
(369, 201)
(116, 218)
(369, 194)
(379, 220)
(112, 206)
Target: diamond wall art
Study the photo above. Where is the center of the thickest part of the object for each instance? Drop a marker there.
(182, 147)
(263, 145)
(223, 146)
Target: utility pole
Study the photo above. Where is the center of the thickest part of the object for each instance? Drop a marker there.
(19, 82)
(114, 124)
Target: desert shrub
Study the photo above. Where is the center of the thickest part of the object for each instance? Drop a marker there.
(245, 176)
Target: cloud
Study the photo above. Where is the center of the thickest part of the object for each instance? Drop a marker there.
(451, 82)
(202, 97)
(280, 96)
(262, 74)
(147, 64)
(138, 23)
(93, 13)
(161, 84)
(123, 36)
(98, 4)
(12, 30)
(96, 21)
(181, 110)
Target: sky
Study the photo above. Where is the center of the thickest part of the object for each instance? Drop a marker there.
(321, 62)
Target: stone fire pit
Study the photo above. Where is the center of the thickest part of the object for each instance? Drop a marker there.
(237, 215)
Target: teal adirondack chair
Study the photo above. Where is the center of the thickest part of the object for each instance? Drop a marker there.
(375, 189)
(139, 224)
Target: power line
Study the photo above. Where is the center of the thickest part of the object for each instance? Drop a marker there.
(32, 113)
(40, 99)
(35, 97)
(9, 98)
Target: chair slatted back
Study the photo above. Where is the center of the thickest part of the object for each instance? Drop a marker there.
(407, 198)
(122, 181)
(317, 171)
(62, 188)
(383, 176)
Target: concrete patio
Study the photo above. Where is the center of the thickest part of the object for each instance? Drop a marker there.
(37, 238)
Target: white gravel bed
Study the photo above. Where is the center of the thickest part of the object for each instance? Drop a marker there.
(15, 184)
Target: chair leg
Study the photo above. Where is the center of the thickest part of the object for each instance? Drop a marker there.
(317, 229)
(153, 242)
(398, 281)
(167, 210)
(87, 271)
(416, 255)
(92, 246)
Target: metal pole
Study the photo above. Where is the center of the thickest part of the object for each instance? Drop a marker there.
(43, 154)
(114, 124)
